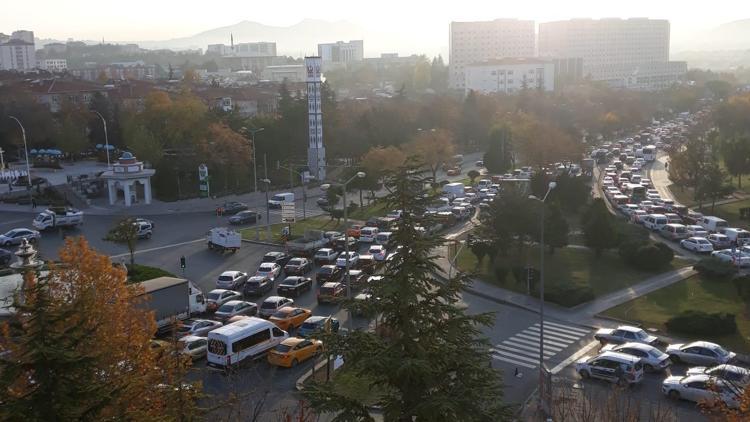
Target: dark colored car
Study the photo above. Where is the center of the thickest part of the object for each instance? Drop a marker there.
(280, 258)
(317, 324)
(294, 285)
(367, 264)
(357, 278)
(322, 202)
(6, 257)
(298, 266)
(328, 273)
(331, 292)
(339, 243)
(257, 286)
(245, 217)
(233, 207)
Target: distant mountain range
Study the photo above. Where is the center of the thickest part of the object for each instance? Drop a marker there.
(729, 36)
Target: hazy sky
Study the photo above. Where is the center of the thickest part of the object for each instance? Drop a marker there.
(163, 19)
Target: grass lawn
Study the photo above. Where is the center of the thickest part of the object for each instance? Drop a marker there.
(729, 212)
(695, 293)
(682, 196)
(375, 209)
(299, 228)
(570, 266)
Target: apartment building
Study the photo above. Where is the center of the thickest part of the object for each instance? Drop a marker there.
(509, 76)
(54, 65)
(17, 51)
(473, 42)
(613, 50)
(341, 53)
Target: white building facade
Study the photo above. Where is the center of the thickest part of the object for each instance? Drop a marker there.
(18, 52)
(247, 49)
(54, 65)
(341, 53)
(473, 42)
(281, 73)
(614, 49)
(509, 76)
(316, 151)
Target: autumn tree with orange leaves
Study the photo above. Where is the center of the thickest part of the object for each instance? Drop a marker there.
(79, 348)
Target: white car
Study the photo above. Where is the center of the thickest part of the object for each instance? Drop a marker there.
(701, 389)
(700, 353)
(378, 252)
(653, 359)
(353, 259)
(637, 216)
(395, 214)
(697, 244)
(218, 297)
(197, 327)
(269, 269)
(611, 366)
(233, 280)
(193, 346)
(734, 374)
(696, 231)
(737, 257)
(625, 334)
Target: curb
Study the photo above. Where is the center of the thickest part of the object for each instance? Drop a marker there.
(299, 385)
(260, 242)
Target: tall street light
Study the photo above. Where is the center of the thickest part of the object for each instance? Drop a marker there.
(268, 210)
(106, 138)
(326, 186)
(26, 150)
(255, 165)
(542, 393)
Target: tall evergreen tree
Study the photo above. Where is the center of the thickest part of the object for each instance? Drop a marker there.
(598, 227)
(499, 155)
(427, 356)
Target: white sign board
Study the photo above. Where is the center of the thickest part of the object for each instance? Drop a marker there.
(288, 212)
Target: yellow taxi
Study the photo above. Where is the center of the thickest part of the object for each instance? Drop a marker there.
(293, 351)
(290, 317)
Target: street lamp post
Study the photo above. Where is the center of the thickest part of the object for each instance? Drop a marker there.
(106, 138)
(26, 150)
(255, 165)
(551, 186)
(359, 175)
(268, 210)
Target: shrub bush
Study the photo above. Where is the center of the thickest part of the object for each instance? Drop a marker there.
(715, 268)
(138, 273)
(645, 255)
(703, 324)
(567, 296)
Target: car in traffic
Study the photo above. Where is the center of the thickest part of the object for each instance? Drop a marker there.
(625, 334)
(735, 257)
(331, 292)
(328, 273)
(194, 346)
(734, 374)
(298, 266)
(322, 202)
(290, 317)
(257, 285)
(702, 353)
(196, 327)
(245, 217)
(318, 324)
(638, 215)
(16, 236)
(143, 230)
(695, 230)
(294, 350)
(352, 257)
(325, 256)
(653, 359)
(269, 269)
(277, 257)
(615, 367)
(340, 243)
(294, 286)
(353, 230)
(232, 207)
(702, 389)
(697, 244)
(232, 280)
(234, 308)
(273, 304)
(218, 297)
(378, 252)
(719, 241)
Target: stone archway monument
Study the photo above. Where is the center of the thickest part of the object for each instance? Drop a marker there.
(124, 176)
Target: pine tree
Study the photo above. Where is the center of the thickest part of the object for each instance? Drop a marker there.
(598, 227)
(427, 355)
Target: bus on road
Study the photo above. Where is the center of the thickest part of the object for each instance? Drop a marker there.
(649, 153)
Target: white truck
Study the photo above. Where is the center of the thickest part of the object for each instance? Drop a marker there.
(172, 299)
(223, 239)
(454, 190)
(280, 198)
(53, 218)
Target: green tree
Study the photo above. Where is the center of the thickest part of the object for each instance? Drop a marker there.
(713, 184)
(72, 132)
(473, 174)
(499, 155)
(434, 148)
(427, 357)
(598, 227)
(125, 232)
(735, 151)
(141, 141)
(555, 228)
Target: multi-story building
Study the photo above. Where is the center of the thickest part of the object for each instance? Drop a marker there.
(54, 92)
(54, 65)
(472, 42)
(341, 53)
(509, 76)
(613, 49)
(247, 49)
(282, 73)
(27, 36)
(137, 70)
(17, 51)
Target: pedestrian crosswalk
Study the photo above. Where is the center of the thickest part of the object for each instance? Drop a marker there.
(522, 348)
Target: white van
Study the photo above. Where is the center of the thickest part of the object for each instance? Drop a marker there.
(454, 190)
(713, 224)
(247, 338)
(740, 237)
(674, 231)
(279, 198)
(368, 234)
(382, 238)
(655, 221)
(484, 184)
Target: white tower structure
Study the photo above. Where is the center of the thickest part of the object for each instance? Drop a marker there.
(316, 152)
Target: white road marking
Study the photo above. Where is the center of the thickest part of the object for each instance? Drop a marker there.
(504, 359)
(574, 357)
(159, 248)
(554, 335)
(511, 355)
(567, 327)
(535, 343)
(523, 346)
(535, 336)
(515, 350)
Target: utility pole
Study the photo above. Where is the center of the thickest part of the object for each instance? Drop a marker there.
(28, 168)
